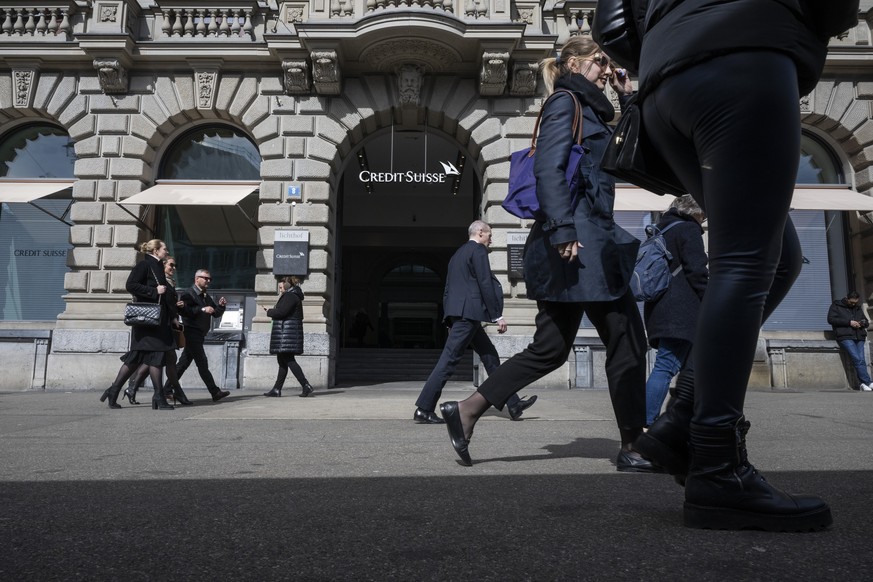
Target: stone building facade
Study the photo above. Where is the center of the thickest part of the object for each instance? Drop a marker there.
(381, 129)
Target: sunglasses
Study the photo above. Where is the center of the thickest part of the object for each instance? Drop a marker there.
(207, 278)
(171, 265)
(602, 60)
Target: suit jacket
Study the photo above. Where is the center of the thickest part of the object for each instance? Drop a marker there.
(472, 290)
(196, 321)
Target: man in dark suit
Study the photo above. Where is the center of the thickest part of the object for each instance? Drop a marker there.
(196, 315)
(472, 295)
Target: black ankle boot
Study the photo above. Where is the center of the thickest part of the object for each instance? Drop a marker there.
(130, 394)
(275, 392)
(725, 491)
(111, 393)
(666, 442)
(180, 397)
(307, 390)
(159, 401)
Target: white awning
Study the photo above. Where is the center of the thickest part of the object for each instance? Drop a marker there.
(12, 191)
(193, 194)
(804, 198)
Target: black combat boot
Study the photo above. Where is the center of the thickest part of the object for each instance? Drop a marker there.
(725, 491)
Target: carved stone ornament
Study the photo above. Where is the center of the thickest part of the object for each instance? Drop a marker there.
(391, 54)
(409, 84)
(325, 72)
(807, 103)
(206, 82)
(24, 80)
(112, 76)
(524, 79)
(108, 12)
(297, 79)
(492, 79)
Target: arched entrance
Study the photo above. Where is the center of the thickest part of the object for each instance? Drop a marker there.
(405, 201)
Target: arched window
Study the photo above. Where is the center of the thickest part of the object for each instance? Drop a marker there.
(34, 228)
(222, 239)
(822, 243)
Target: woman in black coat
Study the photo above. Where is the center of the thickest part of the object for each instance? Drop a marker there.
(722, 81)
(149, 346)
(671, 320)
(577, 262)
(286, 337)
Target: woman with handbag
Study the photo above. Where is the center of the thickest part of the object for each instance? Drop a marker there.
(723, 80)
(149, 345)
(577, 261)
(286, 337)
(178, 336)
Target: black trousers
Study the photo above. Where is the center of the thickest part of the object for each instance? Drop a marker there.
(463, 333)
(194, 352)
(730, 129)
(619, 326)
(287, 362)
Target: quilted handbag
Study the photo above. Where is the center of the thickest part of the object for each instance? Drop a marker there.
(142, 314)
(521, 199)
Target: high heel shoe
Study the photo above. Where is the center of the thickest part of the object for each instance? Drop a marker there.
(130, 395)
(112, 394)
(158, 404)
(179, 396)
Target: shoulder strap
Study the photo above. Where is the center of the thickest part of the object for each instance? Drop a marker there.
(577, 120)
(666, 228)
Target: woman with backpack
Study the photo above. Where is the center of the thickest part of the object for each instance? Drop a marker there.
(577, 261)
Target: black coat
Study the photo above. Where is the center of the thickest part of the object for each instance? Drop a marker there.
(682, 33)
(674, 315)
(286, 336)
(197, 323)
(603, 267)
(839, 316)
(472, 291)
(143, 283)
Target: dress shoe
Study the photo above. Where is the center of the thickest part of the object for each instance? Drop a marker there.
(425, 417)
(219, 395)
(273, 393)
(307, 390)
(516, 411)
(452, 416)
(633, 462)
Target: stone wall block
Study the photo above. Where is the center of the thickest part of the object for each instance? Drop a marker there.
(317, 192)
(319, 260)
(309, 104)
(362, 105)
(266, 129)
(119, 258)
(45, 87)
(80, 235)
(89, 84)
(165, 92)
(312, 170)
(311, 214)
(274, 214)
(99, 281)
(297, 125)
(115, 104)
(520, 127)
(85, 127)
(330, 130)
(464, 98)
(84, 258)
(277, 169)
(272, 191)
(495, 152)
(74, 111)
(316, 283)
(295, 147)
(76, 282)
(103, 235)
(344, 113)
(245, 95)
(65, 92)
(272, 84)
(127, 188)
(87, 341)
(6, 101)
(110, 146)
(257, 111)
(274, 148)
(87, 212)
(266, 284)
(319, 237)
(127, 168)
(141, 84)
(319, 149)
(96, 168)
(115, 215)
(126, 235)
(487, 132)
(106, 190)
(154, 110)
(113, 123)
(118, 279)
(512, 107)
(84, 190)
(264, 259)
(143, 128)
(134, 147)
(227, 88)
(88, 147)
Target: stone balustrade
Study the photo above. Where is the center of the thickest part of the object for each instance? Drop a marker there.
(46, 22)
(224, 22)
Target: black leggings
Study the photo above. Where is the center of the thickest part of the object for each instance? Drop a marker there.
(286, 362)
(730, 129)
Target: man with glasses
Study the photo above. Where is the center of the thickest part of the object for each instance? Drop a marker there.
(196, 315)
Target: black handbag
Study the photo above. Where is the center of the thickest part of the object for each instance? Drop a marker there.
(631, 157)
(617, 27)
(142, 314)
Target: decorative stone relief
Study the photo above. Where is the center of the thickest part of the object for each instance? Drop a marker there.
(524, 79)
(807, 103)
(25, 79)
(492, 79)
(297, 79)
(325, 72)
(296, 12)
(108, 12)
(389, 55)
(409, 84)
(206, 82)
(112, 76)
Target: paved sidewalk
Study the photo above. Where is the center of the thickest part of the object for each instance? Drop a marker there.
(344, 486)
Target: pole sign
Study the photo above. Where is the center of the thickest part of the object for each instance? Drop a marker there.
(515, 253)
(291, 252)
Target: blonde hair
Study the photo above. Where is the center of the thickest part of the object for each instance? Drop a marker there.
(578, 46)
(151, 246)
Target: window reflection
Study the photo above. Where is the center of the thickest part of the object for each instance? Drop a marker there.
(37, 151)
(212, 154)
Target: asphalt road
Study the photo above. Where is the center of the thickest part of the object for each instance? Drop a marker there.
(344, 486)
